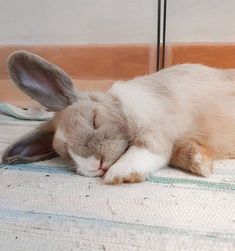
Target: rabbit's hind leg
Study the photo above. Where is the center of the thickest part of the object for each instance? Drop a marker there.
(190, 155)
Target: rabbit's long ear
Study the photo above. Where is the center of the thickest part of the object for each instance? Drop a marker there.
(34, 146)
(41, 80)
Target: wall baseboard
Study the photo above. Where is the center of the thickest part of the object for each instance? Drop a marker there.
(97, 66)
(89, 61)
(9, 93)
(122, 61)
(221, 55)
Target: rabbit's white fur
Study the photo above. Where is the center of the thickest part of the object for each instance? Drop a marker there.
(135, 165)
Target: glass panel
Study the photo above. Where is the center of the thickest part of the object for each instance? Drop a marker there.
(201, 32)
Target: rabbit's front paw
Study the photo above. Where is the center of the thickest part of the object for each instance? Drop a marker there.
(117, 175)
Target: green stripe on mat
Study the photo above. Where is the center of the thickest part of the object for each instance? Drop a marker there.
(167, 181)
(198, 183)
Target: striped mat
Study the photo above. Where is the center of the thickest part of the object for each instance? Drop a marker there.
(44, 206)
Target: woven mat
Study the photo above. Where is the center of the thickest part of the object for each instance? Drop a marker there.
(44, 206)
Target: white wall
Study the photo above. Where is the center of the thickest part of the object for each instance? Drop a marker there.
(201, 21)
(77, 21)
(113, 21)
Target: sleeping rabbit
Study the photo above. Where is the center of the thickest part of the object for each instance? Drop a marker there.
(183, 116)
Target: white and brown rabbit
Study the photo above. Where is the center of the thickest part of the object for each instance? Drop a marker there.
(183, 116)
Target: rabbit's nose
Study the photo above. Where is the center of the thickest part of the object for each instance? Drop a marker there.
(102, 165)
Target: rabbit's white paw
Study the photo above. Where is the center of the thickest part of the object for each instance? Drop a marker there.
(122, 174)
(136, 165)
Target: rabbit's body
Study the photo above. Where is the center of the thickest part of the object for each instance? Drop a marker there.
(184, 101)
(183, 115)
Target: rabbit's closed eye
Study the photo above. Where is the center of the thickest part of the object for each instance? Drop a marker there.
(96, 122)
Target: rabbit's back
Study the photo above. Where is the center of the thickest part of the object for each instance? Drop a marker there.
(188, 100)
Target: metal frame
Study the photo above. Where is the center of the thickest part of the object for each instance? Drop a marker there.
(160, 53)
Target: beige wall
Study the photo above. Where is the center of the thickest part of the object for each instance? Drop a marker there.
(201, 21)
(113, 21)
(77, 21)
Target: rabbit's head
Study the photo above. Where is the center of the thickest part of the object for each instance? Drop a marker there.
(88, 128)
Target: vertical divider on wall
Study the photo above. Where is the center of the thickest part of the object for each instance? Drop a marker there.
(161, 36)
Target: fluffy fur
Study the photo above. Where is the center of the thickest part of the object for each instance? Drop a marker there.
(183, 116)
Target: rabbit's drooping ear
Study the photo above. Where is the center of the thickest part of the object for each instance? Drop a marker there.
(41, 80)
(34, 146)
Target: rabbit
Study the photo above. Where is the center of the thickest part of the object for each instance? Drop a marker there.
(182, 116)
